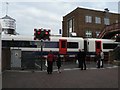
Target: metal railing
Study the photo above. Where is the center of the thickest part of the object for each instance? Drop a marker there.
(109, 28)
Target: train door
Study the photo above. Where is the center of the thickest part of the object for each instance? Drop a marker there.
(97, 46)
(62, 46)
(85, 46)
(16, 58)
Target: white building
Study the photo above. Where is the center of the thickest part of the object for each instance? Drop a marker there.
(8, 25)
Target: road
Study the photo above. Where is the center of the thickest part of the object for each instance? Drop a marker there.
(69, 78)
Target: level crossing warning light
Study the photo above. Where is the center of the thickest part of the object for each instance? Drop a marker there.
(40, 34)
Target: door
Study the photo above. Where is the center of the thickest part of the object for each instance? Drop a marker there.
(16, 58)
(62, 46)
(98, 46)
(85, 46)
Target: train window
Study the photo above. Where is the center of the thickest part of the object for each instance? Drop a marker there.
(109, 46)
(20, 43)
(33, 44)
(5, 43)
(16, 44)
(72, 45)
(25, 43)
(51, 44)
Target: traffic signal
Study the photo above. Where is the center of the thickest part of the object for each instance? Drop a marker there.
(46, 34)
(41, 34)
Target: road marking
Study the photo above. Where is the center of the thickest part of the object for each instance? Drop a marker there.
(109, 67)
(66, 69)
(92, 68)
(55, 70)
(115, 66)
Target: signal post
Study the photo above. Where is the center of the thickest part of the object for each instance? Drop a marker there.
(41, 35)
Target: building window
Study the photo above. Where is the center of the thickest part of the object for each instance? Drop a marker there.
(116, 21)
(97, 33)
(88, 19)
(88, 34)
(70, 26)
(98, 20)
(106, 21)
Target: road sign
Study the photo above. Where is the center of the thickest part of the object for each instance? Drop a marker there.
(39, 44)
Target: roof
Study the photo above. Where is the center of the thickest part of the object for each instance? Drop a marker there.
(7, 17)
(97, 10)
(91, 9)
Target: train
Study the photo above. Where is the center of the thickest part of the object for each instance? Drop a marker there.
(59, 45)
(25, 52)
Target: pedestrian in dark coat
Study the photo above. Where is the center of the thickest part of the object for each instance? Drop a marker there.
(50, 59)
(59, 63)
(79, 58)
(83, 63)
(98, 57)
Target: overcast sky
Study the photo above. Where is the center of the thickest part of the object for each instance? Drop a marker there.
(48, 13)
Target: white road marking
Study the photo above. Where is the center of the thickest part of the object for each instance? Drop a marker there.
(92, 68)
(115, 66)
(66, 69)
(109, 67)
(76, 68)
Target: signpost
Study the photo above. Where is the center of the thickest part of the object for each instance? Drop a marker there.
(40, 44)
(40, 35)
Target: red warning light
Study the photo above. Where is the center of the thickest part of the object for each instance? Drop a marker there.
(41, 34)
(46, 32)
(38, 32)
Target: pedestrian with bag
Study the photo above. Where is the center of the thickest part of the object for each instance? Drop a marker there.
(102, 58)
(50, 59)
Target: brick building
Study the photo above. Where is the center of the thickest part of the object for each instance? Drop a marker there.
(86, 22)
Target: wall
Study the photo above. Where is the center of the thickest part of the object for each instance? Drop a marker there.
(6, 58)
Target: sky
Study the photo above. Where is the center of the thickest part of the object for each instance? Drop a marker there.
(48, 14)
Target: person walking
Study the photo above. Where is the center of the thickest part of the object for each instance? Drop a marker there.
(102, 58)
(83, 63)
(59, 63)
(79, 58)
(50, 59)
(98, 58)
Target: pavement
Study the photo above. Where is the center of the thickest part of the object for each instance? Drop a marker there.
(67, 65)
(70, 77)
